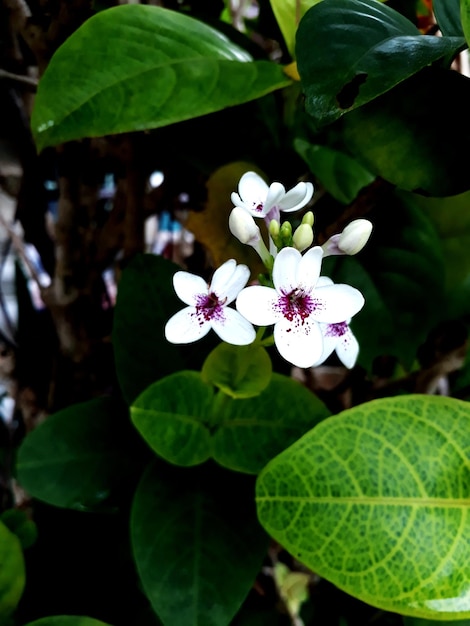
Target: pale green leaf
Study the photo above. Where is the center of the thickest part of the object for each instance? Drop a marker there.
(377, 500)
(288, 14)
(196, 542)
(143, 67)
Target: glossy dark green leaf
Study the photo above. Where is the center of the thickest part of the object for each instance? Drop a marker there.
(66, 620)
(351, 51)
(465, 17)
(447, 13)
(402, 276)
(186, 423)
(342, 176)
(239, 371)
(197, 544)
(12, 572)
(414, 136)
(143, 67)
(21, 525)
(376, 500)
(79, 457)
(146, 300)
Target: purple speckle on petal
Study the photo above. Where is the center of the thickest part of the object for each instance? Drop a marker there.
(258, 207)
(296, 306)
(209, 307)
(337, 330)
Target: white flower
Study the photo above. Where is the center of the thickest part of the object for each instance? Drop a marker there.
(208, 306)
(339, 337)
(351, 241)
(257, 198)
(297, 306)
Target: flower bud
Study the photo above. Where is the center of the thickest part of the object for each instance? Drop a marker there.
(355, 236)
(243, 226)
(303, 237)
(308, 218)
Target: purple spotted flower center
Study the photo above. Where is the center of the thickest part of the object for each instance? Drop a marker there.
(209, 307)
(296, 305)
(337, 330)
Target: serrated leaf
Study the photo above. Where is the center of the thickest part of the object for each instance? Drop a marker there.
(241, 434)
(79, 457)
(196, 543)
(12, 572)
(210, 226)
(66, 620)
(447, 14)
(238, 371)
(376, 500)
(351, 51)
(143, 67)
(342, 176)
(413, 136)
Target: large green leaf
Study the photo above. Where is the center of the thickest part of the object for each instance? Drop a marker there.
(342, 176)
(66, 620)
(376, 500)
(197, 543)
(447, 13)
(186, 423)
(351, 51)
(143, 67)
(401, 274)
(465, 17)
(79, 457)
(414, 135)
(12, 572)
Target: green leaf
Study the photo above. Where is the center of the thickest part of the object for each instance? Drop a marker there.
(465, 17)
(401, 274)
(79, 457)
(447, 14)
(342, 176)
(416, 621)
(12, 572)
(376, 500)
(197, 544)
(19, 523)
(351, 51)
(186, 428)
(238, 371)
(66, 620)
(288, 14)
(171, 415)
(143, 67)
(414, 135)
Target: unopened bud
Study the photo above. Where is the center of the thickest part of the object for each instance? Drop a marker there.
(355, 236)
(303, 237)
(308, 218)
(243, 226)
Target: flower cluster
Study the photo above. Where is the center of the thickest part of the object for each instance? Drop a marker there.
(310, 314)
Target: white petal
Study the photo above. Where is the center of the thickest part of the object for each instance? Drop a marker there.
(347, 349)
(285, 270)
(221, 277)
(185, 327)
(234, 329)
(336, 303)
(235, 198)
(252, 189)
(324, 281)
(329, 344)
(235, 283)
(309, 269)
(297, 197)
(301, 345)
(258, 305)
(275, 194)
(189, 286)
